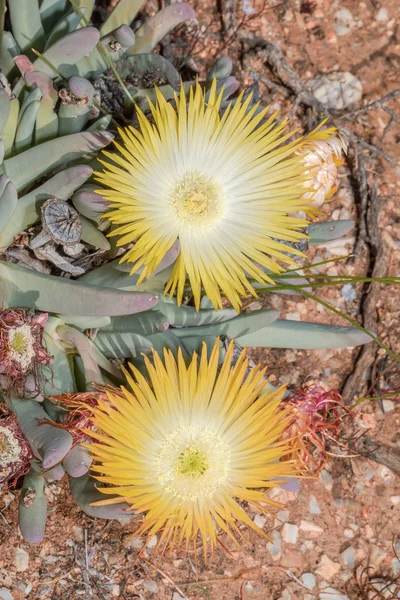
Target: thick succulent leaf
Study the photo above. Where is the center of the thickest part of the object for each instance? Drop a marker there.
(123, 13)
(84, 492)
(81, 343)
(58, 378)
(46, 120)
(168, 339)
(187, 316)
(64, 26)
(32, 512)
(143, 324)
(56, 473)
(155, 28)
(88, 203)
(321, 233)
(68, 51)
(195, 344)
(8, 200)
(95, 64)
(101, 124)
(85, 322)
(139, 65)
(106, 365)
(234, 328)
(221, 69)
(143, 95)
(116, 275)
(121, 344)
(8, 50)
(8, 133)
(21, 287)
(61, 186)
(86, 6)
(27, 120)
(304, 336)
(91, 235)
(36, 162)
(229, 86)
(51, 11)
(77, 461)
(26, 24)
(48, 443)
(72, 118)
(4, 109)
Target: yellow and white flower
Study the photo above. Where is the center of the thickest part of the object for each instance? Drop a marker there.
(225, 186)
(189, 444)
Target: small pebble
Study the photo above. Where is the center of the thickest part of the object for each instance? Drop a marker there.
(290, 533)
(308, 580)
(285, 595)
(327, 568)
(344, 21)
(349, 294)
(309, 526)
(115, 591)
(275, 547)
(21, 561)
(308, 545)
(5, 594)
(26, 588)
(386, 474)
(388, 405)
(152, 543)
(292, 559)
(383, 15)
(259, 520)
(177, 596)
(308, 597)
(151, 586)
(349, 557)
(348, 533)
(326, 479)
(336, 90)
(395, 499)
(313, 506)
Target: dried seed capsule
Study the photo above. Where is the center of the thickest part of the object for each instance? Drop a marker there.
(61, 222)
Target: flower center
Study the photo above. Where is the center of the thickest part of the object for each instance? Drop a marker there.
(10, 449)
(197, 200)
(22, 344)
(192, 462)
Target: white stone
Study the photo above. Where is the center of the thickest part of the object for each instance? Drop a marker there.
(349, 533)
(377, 556)
(274, 547)
(395, 499)
(336, 90)
(151, 586)
(152, 542)
(382, 15)
(327, 568)
(21, 561)
(259, 520)
(290, 533)
(344, 21)
(308, 526)
(285, 595)
(348, 557)
(115, 591)
(5, 594)
(308, 597)
(308, 580)
(326, 477)
(388, 405)
(177, 596)
(313, 506)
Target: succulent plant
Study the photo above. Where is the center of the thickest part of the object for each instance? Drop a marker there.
(51, 133)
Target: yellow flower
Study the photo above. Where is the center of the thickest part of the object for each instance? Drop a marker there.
(223, 185)
(190, 444)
